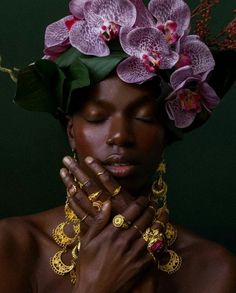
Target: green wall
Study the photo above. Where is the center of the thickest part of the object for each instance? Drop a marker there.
(201, 169)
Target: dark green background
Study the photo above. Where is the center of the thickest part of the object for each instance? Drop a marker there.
(201, 169)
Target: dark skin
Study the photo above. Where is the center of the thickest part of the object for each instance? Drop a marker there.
(118, 119)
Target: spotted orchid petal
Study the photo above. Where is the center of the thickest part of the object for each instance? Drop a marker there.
(198, 54)
(182, 119)
(76, 8)
(132, 70)
(144, 19)
(179, 76)
(86, 38)
(58, 32)
(173, 17)
(57, 35)
(151, 43)
(103, 19)
(120, 12)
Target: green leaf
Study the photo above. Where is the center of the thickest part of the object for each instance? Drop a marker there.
(77, 77)
(68, 57)
(100, 67)
(39, 87)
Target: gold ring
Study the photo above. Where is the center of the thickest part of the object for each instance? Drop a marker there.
(116, 191)
(94, 196)
(98, 205)
(119, 221)
(81, 185)
(100, 173)
(71, 191)
(84, 217)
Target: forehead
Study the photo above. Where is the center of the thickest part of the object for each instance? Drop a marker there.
(115, 91)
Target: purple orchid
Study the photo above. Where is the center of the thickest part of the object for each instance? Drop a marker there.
(172, 18)
(57, 37)
(191, 94)
(195, 53)
(148, 52)
(102, 23)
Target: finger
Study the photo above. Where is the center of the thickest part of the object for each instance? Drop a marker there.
(145, 220)
(140, 225)
(81, 198)
(111, 185)
(84, 181)
(130, 215)
(101, 220)
(86, 221)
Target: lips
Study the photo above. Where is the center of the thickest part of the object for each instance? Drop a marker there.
(120, 166)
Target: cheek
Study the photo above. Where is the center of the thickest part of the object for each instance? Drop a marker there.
(89, 140)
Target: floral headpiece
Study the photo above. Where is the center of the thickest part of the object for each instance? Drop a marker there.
(141, 43)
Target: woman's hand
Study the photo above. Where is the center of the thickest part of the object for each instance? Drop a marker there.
(82, 206)
(111, 258)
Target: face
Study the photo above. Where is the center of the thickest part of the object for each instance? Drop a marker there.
(118, 125)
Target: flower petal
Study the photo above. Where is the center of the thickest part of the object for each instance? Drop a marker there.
(146, 40)
(211, 99)
(199, 54)
(76, 8)
(132, 70)
(120, 12)
(180, 75)
(85, 38)
(182, 119)
(144, 17)
(175, 10)
(57, 32)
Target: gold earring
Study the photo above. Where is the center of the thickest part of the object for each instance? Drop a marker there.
(159, 186)
(63, 240)
(75, 155)
(173, 265)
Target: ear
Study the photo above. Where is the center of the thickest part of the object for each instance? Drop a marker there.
(70, 132)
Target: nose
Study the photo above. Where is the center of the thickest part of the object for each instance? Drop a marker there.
(121, 132)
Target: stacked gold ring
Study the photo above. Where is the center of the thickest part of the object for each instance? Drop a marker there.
(119, 221)
(94, 196)
(116, 191)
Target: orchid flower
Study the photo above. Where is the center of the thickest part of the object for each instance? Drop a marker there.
(172, 18)
(57, 36)
(102, 23)
(148, 52)
(189, 98)
(195, 53)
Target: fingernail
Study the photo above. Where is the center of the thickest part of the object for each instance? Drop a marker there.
(63, 173)
(67, 160)
(89, 160)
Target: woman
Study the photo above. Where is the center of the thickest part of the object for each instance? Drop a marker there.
(118, 130)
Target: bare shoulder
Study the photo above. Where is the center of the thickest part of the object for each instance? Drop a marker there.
(208, 265)
(21, 239)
